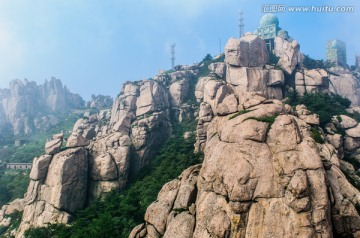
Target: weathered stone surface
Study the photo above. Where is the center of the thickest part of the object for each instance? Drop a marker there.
(289, 53)
(248, 51)
(58, 136)
(218, 70)
(77, 140)
(16, 205)
(260, 181)
(312, 81)
(153, 97)
(313, 77)
(345, 84)
(276, 77)
(344, 121)
(63, 192)
(199, 89)
(306, 115)
(179, 92)
(124, 122)
(244, 79)
(171, 210)
(52, 147)
(351, 143)
(157, 212)
(66, 180)
(104, 168)
(181, 226)
(228, 105)
(354, 132)
(40, 167)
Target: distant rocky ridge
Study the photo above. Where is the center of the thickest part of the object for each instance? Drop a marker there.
(99, 102)
(231, 105)
(27, 107)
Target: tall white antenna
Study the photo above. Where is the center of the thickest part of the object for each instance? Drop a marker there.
(173, 55)
(241, 24)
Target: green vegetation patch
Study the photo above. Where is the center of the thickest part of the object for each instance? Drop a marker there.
(15, 223)
(13, 184)
(269, 120)
(316, 135)
(323, 104)
(310, 63)
(239, 113)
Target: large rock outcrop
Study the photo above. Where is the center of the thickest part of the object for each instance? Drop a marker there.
(27, 106)
(312, 81)
(288, 52)
(263, 175)
(248, 51)
(58, 188)
(344, 83)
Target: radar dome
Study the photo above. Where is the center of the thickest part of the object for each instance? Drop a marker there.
(269, 19)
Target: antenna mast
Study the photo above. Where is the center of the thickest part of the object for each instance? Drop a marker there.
(241, 24)
(173, 55)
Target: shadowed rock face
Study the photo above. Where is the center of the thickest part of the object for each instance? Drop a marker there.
(58, 187)
(258, 180)
(344, 83)
(21, 103)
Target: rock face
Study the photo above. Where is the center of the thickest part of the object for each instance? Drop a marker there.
(15, 206)
(344, 83)
(312, 81)
(263, 175)
(249, 51)
(288, 53)
(245, 59)
(26, 105)
(53, 196)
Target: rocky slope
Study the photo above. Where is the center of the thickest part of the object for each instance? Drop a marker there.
(263, 174)
(104, 150)
(261, 162)
(26, 106)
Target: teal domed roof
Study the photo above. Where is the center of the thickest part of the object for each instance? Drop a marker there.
(269, 19)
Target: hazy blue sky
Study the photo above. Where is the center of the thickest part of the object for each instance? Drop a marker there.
(94, 46)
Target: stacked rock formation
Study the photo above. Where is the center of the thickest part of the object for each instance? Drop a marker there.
(263, 175)
(289, 54)
(245, 59)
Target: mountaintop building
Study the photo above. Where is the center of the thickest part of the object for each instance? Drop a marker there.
(336, 52)
(269, 29)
